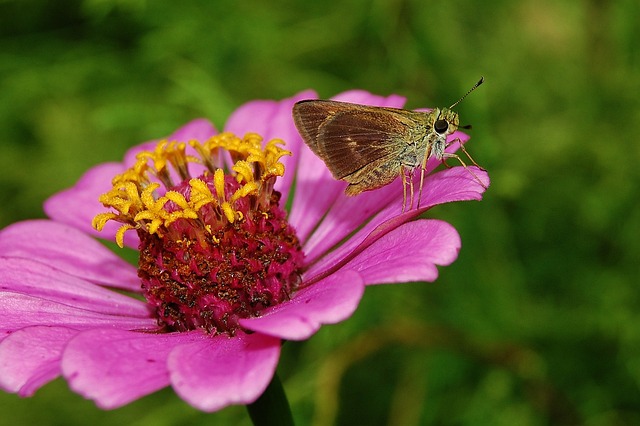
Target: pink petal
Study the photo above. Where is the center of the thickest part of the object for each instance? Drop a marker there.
(408, 253)
(272, 119)
(346, 215)
(199, 129)
(316, 190)
(365, 98)
(329, 301)
(21, 310)
(115, 367)
(455, 184)
(38, 280)
(78, 205)
(70, 250)
(30, 358)
(213, 373)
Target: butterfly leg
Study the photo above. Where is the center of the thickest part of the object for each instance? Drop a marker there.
(463, 149)
(470, 158)
(411, 187)
(403, 174)
(404, 171)
(423, 168)
(457, 157)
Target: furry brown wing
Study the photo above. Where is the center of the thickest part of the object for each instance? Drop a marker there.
(348, 137)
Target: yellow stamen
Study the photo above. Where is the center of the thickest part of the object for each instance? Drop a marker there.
(243, 191)
(200, 194)
(218, 181)
(244, 171)
(101, 220)
(120, 234)
(228, 212)
(136, 201)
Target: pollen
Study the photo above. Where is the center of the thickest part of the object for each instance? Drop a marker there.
(215, 246)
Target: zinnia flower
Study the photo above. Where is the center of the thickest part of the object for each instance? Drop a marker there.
(224, 273)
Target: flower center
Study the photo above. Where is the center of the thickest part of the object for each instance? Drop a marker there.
(215, 248)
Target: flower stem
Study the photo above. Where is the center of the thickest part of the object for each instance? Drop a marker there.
(272, 408)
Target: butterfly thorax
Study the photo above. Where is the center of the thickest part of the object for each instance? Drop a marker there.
(430, 138)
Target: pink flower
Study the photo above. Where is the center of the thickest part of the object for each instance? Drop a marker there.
(62, 317)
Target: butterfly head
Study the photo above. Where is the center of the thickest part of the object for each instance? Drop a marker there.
(446, 122)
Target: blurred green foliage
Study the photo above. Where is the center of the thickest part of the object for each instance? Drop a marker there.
(538, 322)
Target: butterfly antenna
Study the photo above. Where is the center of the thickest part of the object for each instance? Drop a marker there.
(475, 86)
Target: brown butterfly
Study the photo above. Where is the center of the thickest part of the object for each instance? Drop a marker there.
(368, 147)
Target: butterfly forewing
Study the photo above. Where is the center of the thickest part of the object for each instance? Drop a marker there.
(308, 116)
(347, 136)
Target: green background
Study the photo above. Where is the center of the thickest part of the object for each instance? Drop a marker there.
(537, 322)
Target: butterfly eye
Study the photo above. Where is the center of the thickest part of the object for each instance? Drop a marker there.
(440, 126)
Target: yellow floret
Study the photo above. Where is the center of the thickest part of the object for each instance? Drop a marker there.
(137, 204)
